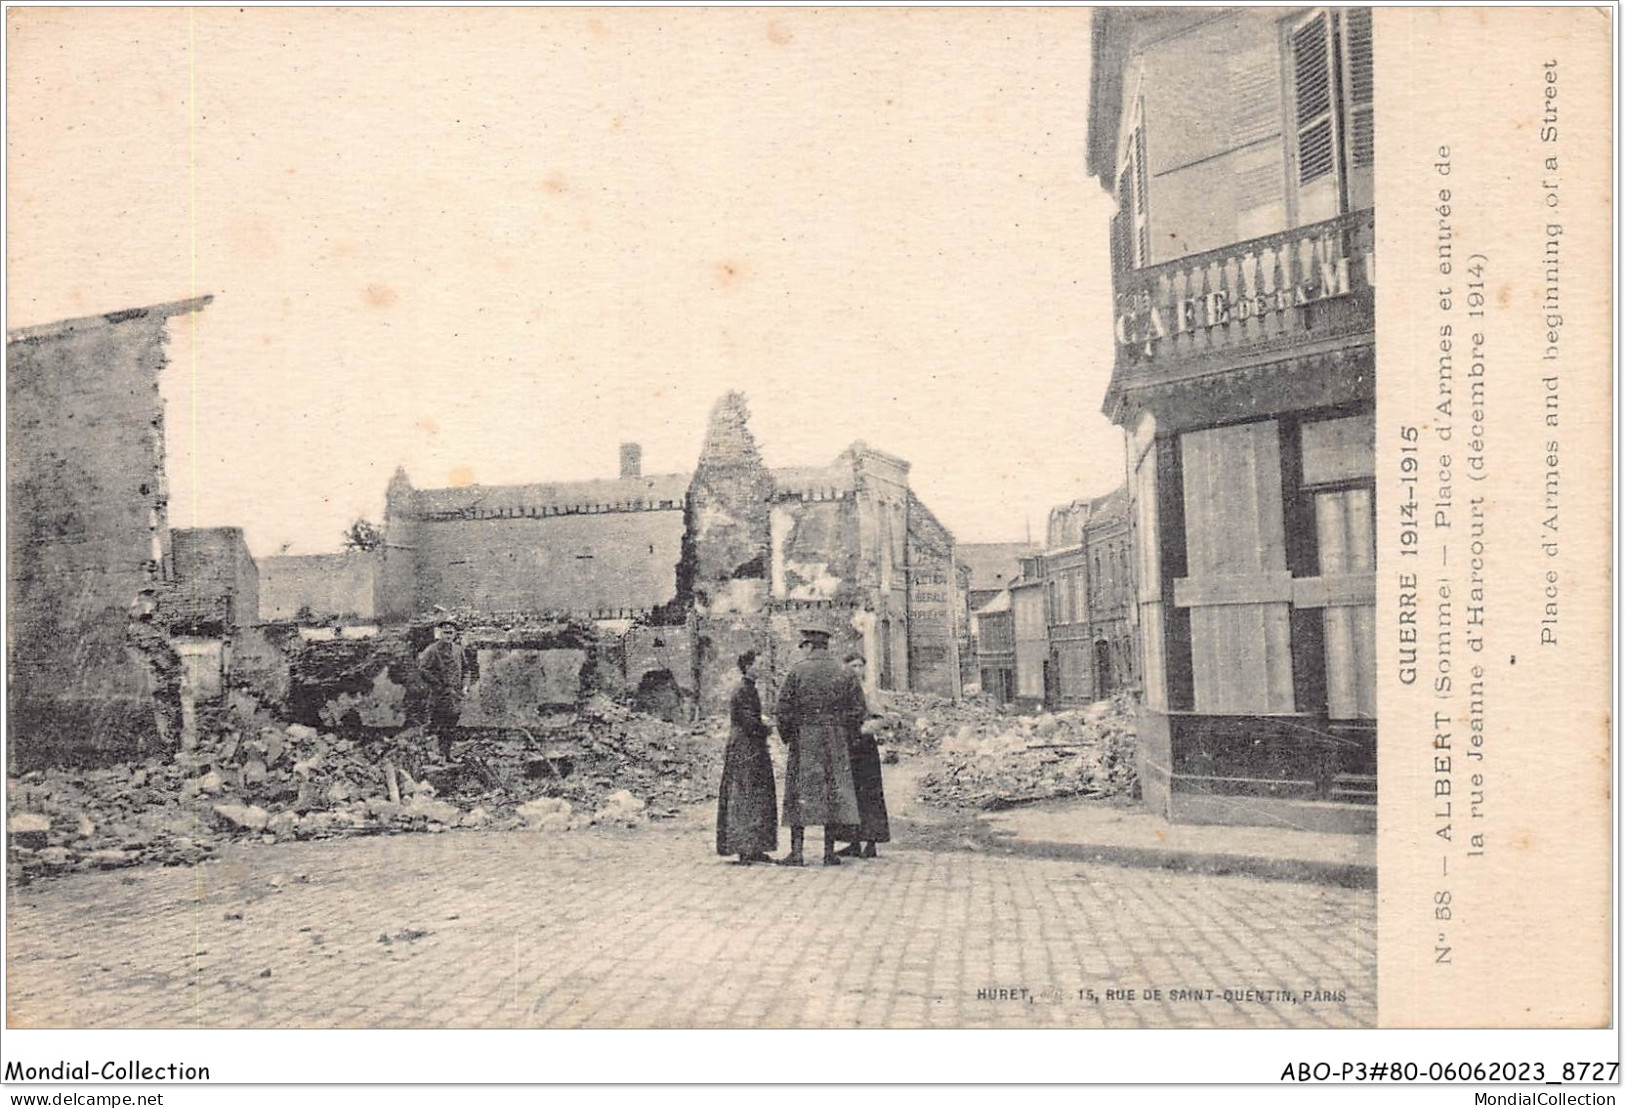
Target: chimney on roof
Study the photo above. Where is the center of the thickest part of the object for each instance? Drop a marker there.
(631, 460)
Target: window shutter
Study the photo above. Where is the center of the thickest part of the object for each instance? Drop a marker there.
(1312, 84)
(1358, 66)
(1122, 226)
(1142, 189)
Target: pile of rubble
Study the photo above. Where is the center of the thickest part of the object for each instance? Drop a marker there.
(919, 722)
(251, 775)
(986, 759)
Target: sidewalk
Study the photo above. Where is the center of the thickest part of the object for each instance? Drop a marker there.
(1126, 834)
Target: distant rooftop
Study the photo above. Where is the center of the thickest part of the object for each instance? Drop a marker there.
(993, 565)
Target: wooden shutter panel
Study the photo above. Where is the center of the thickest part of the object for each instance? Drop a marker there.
(1312, 86)
(1142, 189)
(1358, 70)
(1122, 255)
(1237, 585)
(1347, 537)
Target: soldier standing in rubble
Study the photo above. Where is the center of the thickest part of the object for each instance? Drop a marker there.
(820, 704)
(747, 807)
(441, 665)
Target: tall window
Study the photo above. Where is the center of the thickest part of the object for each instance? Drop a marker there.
(1338, 459)
(1331, 112)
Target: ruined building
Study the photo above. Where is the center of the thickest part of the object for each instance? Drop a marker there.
(689, 570)
(847, 547)
(92, 676)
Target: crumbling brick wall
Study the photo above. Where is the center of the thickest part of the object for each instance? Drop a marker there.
(651, 649)
(87, 537)
(719, 640)
(216, 584)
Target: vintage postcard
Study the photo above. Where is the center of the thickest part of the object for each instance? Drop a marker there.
(737, 519)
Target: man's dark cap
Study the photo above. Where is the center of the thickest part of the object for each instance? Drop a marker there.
(815, 635)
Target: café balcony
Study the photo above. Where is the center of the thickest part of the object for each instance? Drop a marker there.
(1305, 296)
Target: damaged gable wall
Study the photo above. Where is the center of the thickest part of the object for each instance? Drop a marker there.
(728, 510)
(87, 536)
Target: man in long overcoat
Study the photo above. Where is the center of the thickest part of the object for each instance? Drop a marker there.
(819, 705)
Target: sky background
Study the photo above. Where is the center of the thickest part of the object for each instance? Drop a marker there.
(494, 244)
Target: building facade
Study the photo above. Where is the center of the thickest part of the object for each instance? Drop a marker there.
(1029, 620)
(1238, 144)
(1088, 592)
(605, 549)
(996, 648)
(986, 571)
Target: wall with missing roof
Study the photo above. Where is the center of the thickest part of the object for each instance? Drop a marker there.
(87, 533)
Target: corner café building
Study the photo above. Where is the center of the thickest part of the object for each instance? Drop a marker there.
(1238, 145)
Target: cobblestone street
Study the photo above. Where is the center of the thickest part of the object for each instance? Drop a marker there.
(647, 928)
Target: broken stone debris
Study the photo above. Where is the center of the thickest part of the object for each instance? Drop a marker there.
(252, 775)
(989, 759)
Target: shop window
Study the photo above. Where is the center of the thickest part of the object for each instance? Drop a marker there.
(1338, 468)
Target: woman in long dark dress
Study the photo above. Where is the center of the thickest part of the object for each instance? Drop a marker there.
(747, 802)
(873, 825)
